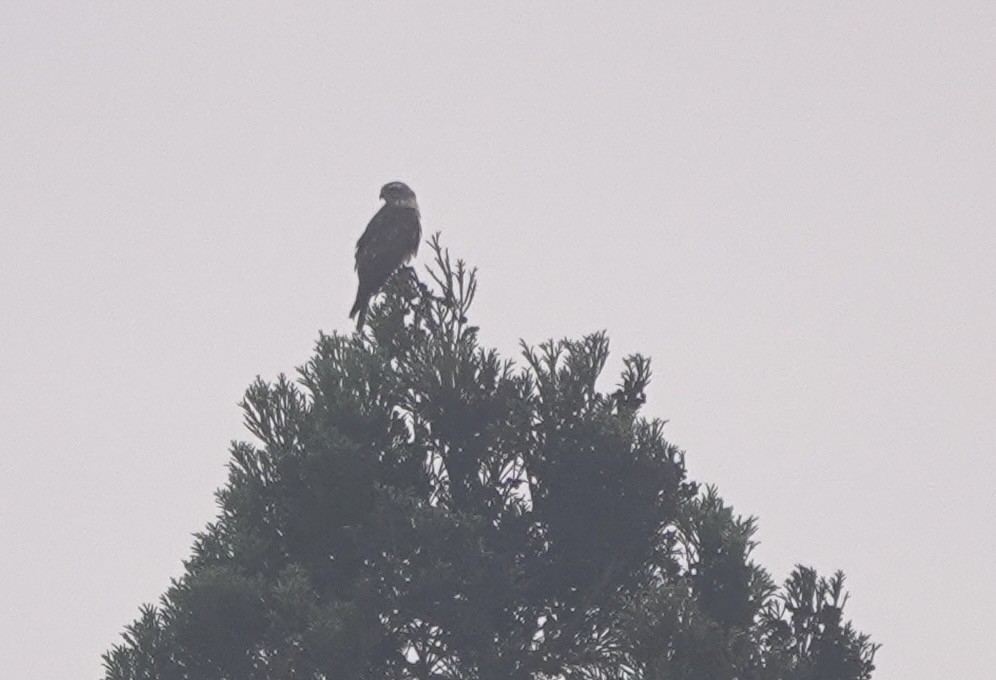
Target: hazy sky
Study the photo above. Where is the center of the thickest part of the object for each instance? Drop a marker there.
(789, 206)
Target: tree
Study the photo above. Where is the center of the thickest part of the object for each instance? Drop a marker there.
(417, 507)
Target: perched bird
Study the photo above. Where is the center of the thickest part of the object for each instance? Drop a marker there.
(390, 240)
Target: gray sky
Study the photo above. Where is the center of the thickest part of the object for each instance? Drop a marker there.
(789, 206)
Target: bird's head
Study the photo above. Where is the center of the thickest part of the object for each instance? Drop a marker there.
(398, 193)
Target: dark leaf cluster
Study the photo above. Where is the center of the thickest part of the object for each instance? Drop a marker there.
(416, 507)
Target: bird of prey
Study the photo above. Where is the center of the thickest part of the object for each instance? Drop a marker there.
(390, 240)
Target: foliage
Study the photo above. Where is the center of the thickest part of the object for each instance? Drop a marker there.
(418, 507)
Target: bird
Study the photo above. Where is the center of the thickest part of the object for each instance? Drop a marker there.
(389, 241)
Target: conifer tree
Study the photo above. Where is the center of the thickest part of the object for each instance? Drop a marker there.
(417, 507)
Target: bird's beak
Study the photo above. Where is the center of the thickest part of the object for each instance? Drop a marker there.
(382, 195)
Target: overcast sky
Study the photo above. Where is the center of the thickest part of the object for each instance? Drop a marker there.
(788, 206)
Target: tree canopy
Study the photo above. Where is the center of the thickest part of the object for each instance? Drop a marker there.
(415, 506)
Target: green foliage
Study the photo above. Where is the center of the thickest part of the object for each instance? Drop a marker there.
(418, 507)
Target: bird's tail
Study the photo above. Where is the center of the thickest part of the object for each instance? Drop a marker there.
(359, 309)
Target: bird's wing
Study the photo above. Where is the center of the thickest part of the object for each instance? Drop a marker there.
(391, 238)
(376, 226)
